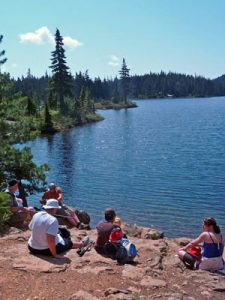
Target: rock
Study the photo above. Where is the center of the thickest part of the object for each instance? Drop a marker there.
(120, 297)
(152, 282)
(175, 296)
(132, 230)
(206, 293)
(114, 291)
(219, 287)
(83, 216)
(157, 262)
(82, 295)
(153, 234)
(183, 241)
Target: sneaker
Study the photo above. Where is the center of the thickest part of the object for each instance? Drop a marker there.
(85, 241)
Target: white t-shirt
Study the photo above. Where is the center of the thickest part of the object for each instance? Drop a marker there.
(42, 224)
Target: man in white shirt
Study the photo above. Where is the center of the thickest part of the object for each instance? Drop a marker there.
(45, 238)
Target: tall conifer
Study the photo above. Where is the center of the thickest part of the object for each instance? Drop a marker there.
(124, 76)
(2, 53)
(62, 80)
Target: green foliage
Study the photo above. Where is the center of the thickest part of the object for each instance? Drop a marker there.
(124, 76)
(17, 126)
(2, 53)
(16, 163)
(31, 109)
(61, 79)
(5, 212)
(48, 118)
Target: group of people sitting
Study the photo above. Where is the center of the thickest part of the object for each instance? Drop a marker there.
(205, 252)
(46, 238)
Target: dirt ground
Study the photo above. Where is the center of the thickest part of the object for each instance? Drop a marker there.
(156, 274)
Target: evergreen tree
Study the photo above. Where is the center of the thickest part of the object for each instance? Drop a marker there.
(2, 53)
(31, 109)
(62, 79)
(48, 117)
(124, 76)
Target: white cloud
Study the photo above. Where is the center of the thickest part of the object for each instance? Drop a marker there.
(71, 43)
(44, 36)
(114, 61)
(40, 36)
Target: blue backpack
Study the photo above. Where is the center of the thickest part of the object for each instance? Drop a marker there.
(126, 251)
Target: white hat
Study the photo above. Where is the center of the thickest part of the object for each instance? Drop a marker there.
(51, 203)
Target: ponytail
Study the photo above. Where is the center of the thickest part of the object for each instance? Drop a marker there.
(216, 228)
(212, 222)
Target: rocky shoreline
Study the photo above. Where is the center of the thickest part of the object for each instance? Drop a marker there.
(156, 274)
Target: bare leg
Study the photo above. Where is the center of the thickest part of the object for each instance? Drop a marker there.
(77, 245)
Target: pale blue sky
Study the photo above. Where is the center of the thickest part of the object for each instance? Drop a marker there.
(185, 36)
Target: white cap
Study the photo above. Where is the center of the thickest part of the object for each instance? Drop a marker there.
(51, 203)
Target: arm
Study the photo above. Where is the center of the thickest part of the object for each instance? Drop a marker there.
(60, 199)
(51, 246)
(59, 196)
(43, 199)
(195, 242)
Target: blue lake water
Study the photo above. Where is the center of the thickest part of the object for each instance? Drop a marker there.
(161, 164)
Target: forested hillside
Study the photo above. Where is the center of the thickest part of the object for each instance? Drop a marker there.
(152, 85)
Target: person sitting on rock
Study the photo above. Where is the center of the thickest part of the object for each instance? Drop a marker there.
(104, 229)
(212, 244)
(66, 215)
(20, 215)
(45, 238)
(53, 192)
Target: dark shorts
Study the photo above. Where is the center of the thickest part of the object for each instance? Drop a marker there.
(108, 250)
(59, 248)
(190, 261)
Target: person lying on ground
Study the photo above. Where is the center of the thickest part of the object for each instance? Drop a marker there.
(212, 244)
(45, 239)
(66, 215)
(104, 229)
(20, 215)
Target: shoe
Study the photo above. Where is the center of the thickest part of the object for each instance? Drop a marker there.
(85, 241)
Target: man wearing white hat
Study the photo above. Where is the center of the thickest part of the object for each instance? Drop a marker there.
(45, 238)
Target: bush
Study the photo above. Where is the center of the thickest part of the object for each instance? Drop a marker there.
(5, 212)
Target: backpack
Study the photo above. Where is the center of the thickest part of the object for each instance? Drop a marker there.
(126, 251)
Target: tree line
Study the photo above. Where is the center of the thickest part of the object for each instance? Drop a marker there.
(30, 105)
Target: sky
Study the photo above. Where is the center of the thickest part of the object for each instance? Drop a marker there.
(185, 36)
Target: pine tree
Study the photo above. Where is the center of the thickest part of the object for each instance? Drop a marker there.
(48, 117)
(2, 53)
(62, 80)
(124, 76)
(31, 109)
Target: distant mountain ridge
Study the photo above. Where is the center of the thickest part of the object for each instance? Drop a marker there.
(220, 79)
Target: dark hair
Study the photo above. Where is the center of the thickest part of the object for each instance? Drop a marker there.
(12, 182)
(212, 222)
(109, 214)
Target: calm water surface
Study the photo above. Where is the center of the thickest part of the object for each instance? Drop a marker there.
(161, 164)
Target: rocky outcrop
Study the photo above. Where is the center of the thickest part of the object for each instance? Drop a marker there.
(156, 273)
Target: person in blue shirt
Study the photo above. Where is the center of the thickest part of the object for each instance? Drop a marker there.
(212, 244)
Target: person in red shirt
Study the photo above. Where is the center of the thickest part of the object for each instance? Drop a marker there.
(67, 214)
(53, 192)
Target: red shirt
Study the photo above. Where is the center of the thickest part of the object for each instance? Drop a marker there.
(52, 194)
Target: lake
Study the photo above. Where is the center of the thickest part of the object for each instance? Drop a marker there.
(161, 164)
